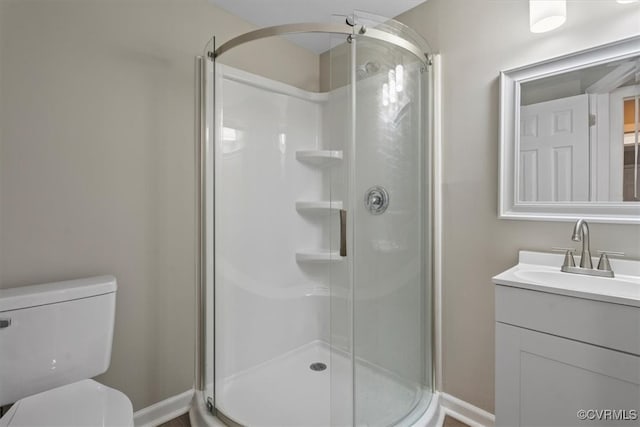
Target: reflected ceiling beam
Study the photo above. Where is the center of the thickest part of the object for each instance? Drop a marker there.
(616, 78)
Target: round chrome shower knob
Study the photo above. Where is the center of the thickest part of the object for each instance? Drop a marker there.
(376, 200)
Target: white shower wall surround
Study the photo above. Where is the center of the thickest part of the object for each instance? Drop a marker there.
(261, 289)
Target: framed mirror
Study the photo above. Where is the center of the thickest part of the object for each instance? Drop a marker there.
(569, 137)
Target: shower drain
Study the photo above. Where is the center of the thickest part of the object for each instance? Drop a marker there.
(318, 366)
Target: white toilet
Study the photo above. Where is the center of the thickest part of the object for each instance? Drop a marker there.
(53, 338)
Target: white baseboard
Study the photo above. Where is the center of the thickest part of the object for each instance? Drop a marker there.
(445, 404)
(163, 411)
(466, 412)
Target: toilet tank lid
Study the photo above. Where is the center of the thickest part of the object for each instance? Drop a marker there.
(50, 293)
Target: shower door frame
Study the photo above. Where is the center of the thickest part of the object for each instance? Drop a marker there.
(204, 163)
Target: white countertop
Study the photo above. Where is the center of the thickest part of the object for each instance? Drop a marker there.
(540, 271)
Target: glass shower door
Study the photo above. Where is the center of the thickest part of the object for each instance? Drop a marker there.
(271, 262)
(390, 268)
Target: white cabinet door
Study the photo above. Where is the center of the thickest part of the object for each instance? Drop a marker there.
(544, 380)
(554, 150)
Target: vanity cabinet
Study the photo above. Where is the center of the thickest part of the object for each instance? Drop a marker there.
(558, 354)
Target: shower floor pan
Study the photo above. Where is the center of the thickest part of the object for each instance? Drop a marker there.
(287, 392)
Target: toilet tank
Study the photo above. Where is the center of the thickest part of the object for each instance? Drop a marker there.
(54, 334)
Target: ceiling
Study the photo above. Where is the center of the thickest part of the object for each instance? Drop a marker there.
(265, 13)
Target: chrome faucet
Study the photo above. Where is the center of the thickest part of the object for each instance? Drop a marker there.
(581, 234)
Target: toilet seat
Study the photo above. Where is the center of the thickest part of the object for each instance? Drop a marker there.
(81, 404)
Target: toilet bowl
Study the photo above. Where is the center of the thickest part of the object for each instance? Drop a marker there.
(53, 338)
(80, 404)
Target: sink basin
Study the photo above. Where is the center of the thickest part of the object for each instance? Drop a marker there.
(541, 271)
(616, 285)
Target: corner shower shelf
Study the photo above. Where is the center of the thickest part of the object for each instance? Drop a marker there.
(319, 157)
(318, 256)
(319, 206)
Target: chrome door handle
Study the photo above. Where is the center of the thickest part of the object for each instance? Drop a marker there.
(343, 232)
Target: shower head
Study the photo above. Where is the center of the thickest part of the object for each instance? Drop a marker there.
(367, 69)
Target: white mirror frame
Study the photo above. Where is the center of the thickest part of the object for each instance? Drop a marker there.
(508, 205)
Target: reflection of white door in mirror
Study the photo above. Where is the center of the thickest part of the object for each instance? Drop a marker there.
(554, 150)
(568, 137)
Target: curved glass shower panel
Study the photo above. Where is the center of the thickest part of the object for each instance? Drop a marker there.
(391, 272)
(273, 214)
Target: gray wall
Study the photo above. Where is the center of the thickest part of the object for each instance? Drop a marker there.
(477, 39)
(97, 162)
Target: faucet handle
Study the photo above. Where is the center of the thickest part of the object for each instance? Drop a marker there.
(603, 263)
(568, 256)
(613, 253)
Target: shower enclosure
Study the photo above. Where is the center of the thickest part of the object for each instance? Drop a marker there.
(315, 227)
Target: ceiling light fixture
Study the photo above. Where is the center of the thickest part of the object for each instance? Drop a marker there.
(627, 1)
(546, 15)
